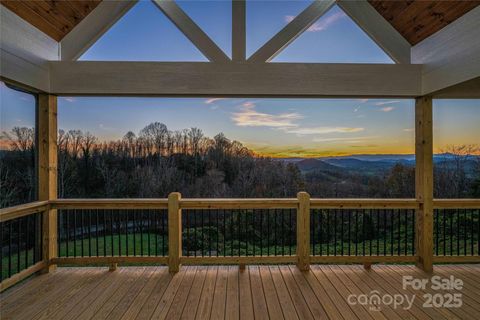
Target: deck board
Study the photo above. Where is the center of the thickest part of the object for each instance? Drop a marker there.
(220, 292)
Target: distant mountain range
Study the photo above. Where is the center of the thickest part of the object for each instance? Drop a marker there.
(369, 164)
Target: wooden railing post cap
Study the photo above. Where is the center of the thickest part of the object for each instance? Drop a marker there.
(303, 195)
(174, 196)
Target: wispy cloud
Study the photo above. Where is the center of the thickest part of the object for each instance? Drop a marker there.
(249, 117)
(346, 140)
(409, 129)
(106, 128)
(356, 109)
(323, 130)
(362, 100)
(323, 24)
(212, 100)
(69, 99)
(382, 103)
(387, 109)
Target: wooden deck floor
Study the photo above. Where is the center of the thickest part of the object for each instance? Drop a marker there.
(219, 292)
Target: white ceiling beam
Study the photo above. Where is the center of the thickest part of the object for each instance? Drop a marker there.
(451, 55)
(192, 31)
(92, 27)
(234, 79)
(238, 30)
(378, 29)
(291, 31)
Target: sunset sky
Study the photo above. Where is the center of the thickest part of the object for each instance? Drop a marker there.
(273, 127)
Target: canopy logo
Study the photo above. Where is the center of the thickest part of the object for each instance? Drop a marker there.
(415, 287)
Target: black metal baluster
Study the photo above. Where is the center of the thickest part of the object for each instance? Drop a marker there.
(464, 232)
(19, 232)
(327, 242)
(60, 233)
(209, 233)
(89, 233)
(349, 232)
(27, 243)
(291, 233)
(399, 225)
(187, 220)
(384, 232)
(320, 231)
(82, 224)
(275, 230)
(246, 232)
(406, 232)
(472, 240)
(356, 232)
(104, 232)
(74, 233)
(111, 232)
(282, 230)
(341, 231)
(239, 230)
(10, 235)
(450, 217)
(224, 233)
(413, 232)
(202, 212)
(312, 227)
(231, 232)
(195, 212)
(268, 232)
(457, 214)
(392, 222)
(67, 230)
(96, 231)
(163, 233)
(261, 232)
(335, 232)
(377, 232)
(127, 213)
(444, 233)
(134, 213)
(218, 229)
(142, 219)
(364, 234)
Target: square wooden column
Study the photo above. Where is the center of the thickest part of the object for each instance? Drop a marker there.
(47, 172)
(424, 182)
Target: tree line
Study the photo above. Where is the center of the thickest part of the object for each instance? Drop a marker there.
(157, 161)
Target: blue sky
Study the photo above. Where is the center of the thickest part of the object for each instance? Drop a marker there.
(145, 34)
(277, 127)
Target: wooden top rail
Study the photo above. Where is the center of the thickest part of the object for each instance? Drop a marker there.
(260, 203)
(22, 210)
(124, 203)
(456, 203)
(363, 204)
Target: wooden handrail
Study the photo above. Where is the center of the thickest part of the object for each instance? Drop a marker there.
(22, 210)
(124, 203)
(456, 203)
(255, 203)
(363, 203)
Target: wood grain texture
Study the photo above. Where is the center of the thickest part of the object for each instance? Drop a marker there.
(424, 182)
(235, 79)
(47, 172)
(418, 19)
(55, 18)
(258, 292)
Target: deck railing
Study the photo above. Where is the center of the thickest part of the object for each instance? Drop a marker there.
(178, 231)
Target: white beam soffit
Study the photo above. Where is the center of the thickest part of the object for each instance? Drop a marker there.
(92, 27)
(378, 29)
(291, 31)
(192, 31)
(234, 79)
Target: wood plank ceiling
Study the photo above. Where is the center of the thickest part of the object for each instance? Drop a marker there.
(414, 19)
(419, 19)
(56, 18)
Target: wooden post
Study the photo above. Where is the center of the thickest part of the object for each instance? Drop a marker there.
(238, 30)
(174, 231)
(47, 172)
(424, 182)
(303, 231)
